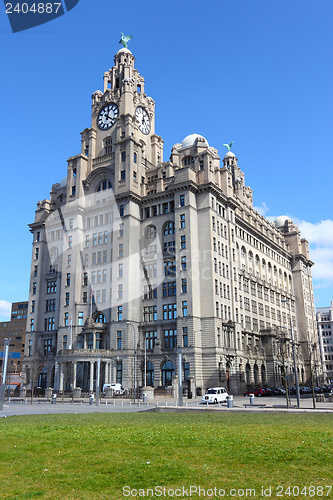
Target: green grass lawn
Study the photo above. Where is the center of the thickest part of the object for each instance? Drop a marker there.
(94, 456)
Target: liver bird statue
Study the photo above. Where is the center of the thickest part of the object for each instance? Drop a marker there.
(228, 146)
(125, 39)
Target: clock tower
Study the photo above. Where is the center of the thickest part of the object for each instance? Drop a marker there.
(121, 140)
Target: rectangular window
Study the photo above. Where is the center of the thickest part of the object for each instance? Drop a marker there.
(35, 270)
(183, 263)
(119, 339)
(123, 156)
(169, 267)
(182, 220)
(183, 241)
(36, 253)
(68, 279)
(69, 260)
(38, 236)
(49, 324)
(64, 342)
(47, 346)
(185, 337)
(67, 299)
(122, 175)
(51, 286)
(151, 338)
(33, 303)
(121, 250)
(34, 288)
(120, 270)
(184, 308)
(70, 241)
(120, 313)
(150, 313)
(80, 318)
(32, 325)
(170, 339)
(121, 210)
(184, 285)
(66, 319)
(182, 200)
(135, 158)
(169, 311)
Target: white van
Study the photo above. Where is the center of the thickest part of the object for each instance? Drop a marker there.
(117, 389)
(215, 395)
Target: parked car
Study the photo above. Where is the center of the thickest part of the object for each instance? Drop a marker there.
(39, 391)
(255, 392)
(118, 389)
(215, 395)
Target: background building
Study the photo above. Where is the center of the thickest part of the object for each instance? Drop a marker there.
(135, 259)
(14, 330)
(325, 333)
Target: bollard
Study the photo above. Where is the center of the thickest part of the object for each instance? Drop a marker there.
(230, 401)
(54, 399)
(251, 399)
(114, 403)
(91, 399)
(144, 397)
(166, 403)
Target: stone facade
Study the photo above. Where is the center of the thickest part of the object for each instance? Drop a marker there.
(14, 330)
(136, 259)
(325, 333)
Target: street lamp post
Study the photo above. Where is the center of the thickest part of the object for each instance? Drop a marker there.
(4, 373)
(134, 367)
(294, 354)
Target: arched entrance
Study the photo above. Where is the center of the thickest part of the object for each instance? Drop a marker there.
(168, 371)
(42, 379)
(227, 376)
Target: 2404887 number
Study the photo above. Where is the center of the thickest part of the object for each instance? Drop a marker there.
(309, 491)
(35, 8)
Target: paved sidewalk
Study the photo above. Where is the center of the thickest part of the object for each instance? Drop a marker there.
(271, 404)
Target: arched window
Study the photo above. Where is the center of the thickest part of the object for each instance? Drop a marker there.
(100, 318)
(248, 374)
(53, 254)
(263, 374)
(168, 371)
(103, 186)
(256, 374)
(150, 374)
(150, 232)
(169, 228)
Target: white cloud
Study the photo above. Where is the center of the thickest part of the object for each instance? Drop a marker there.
(320, 238)
(262, 210)
(320, 234)
(5, 310)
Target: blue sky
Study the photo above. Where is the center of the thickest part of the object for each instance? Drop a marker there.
(257, 72)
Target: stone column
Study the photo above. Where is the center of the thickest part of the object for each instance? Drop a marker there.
(74, 373)
(61, 378)
(91, 380)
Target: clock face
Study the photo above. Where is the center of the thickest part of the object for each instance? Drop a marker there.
(143, 118)
(107, 116)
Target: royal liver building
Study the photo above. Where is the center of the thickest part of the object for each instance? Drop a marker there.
(136, 259)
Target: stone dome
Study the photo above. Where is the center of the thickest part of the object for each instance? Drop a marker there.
(124, 51)
(190, 140)
(230, 154)
(63, 183)
(281, 220)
